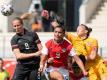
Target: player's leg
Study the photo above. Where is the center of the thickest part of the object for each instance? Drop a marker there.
(34, 75)
(65, 73)
(52, 73)
(20, 73)
(56, 75)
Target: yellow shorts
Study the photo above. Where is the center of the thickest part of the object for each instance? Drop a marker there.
(98, 71)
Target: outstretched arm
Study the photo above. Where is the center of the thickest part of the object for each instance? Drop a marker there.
(25, 15)
(28, 15)
(80, 64)
(42, 62)
(43, 59)
(20, 55)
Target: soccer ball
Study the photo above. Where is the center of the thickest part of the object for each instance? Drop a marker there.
(7, 9)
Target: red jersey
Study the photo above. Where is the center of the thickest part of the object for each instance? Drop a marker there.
(60, 52)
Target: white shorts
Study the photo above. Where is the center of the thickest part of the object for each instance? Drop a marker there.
(63, 71)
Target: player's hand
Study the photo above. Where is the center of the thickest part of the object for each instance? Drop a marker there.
(85, 73)
(50, 60)
(54, 24)
(41, 68)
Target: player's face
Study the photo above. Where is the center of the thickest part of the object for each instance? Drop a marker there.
(81, 30)
(18, 26)
(1, 64)
(58, 34)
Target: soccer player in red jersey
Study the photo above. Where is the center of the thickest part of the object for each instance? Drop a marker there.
(57, 52)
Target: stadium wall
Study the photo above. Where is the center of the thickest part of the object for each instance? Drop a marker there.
(87, 9)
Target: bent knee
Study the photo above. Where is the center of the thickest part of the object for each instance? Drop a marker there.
(56, 75)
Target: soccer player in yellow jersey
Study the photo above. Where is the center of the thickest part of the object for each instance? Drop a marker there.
(4, 75)
(88, 47)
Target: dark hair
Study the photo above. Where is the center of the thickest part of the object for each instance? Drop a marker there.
(88, 29)
(18, 18)
(60, 27)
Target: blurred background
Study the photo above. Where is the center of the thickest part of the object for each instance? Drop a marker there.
(93, 13)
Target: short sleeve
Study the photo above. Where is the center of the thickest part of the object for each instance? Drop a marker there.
(72, 52)
(37, 40)
(45, 50)
(14, 43)
(69, 36)
(95, 43)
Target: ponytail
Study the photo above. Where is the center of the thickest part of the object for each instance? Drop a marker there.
(88, 29)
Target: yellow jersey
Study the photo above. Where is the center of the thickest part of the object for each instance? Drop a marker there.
(4, 75)
(77, 43)
(84, 47)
